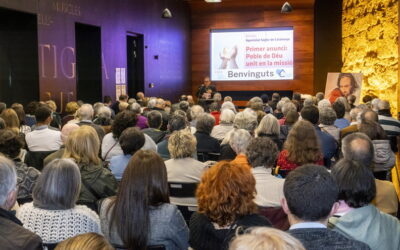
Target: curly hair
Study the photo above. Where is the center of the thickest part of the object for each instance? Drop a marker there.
(262, 151)
(123, 120)
(10, 143)
(226, 192)
(302, 143)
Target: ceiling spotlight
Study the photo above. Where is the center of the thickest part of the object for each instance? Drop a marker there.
(213, 1)
(166, 13)
(286, 8)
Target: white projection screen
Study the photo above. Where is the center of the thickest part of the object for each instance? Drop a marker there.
(251, 54)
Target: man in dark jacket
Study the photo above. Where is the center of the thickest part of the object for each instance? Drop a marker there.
(12, 234)
(310, 199)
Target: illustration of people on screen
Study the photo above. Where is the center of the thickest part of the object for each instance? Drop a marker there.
(346, 85)
(228, 58)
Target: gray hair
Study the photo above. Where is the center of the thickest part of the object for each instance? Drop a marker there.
(355, 113)
(320, 96)
(104, 112)
(182, 144)
(85, 112)
(358, 147)
(227, 116)
(47, 193)
(268, 125)
(239, 140)
(97, 106)
(308, 102)
(152, 102)
(132, 100)
(228, 105)
(383, 105)
(205, 123)
(228, 99)
(196, 111)
(287, 107)
(135, 107)
(375, 104)
(324, 103)
(8, 179)
(280, 104)
(344, 101)
(327, 116)
(262, 152)
(217, 97)
(245, 120)
(256, 99)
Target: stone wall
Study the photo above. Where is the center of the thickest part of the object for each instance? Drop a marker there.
(370, 46)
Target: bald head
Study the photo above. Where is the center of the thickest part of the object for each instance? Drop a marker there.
(358, 147)
(369, 115)
(67, 130)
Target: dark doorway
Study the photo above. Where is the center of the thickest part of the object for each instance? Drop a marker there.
(135, 64)
(88, 63)
(19, 64)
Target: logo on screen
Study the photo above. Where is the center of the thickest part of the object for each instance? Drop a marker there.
(281, 72)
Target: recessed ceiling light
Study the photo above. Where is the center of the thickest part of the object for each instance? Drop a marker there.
(213, 1)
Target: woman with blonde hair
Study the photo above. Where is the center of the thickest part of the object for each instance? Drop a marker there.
(11, 119)
(269, 127)
(97, 182)
(87, 241)
(225, 204)
(70, 109)
(302, 146)
(263, 238)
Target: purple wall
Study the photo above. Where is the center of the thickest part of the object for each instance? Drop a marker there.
(167, 38)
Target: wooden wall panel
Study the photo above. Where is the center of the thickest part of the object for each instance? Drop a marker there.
(302, 20)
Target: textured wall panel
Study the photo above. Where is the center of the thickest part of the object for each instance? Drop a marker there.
(370, 45)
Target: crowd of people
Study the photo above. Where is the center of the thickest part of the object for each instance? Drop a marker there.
(143, 173)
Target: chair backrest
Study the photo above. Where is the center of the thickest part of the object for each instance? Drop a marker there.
(208, 156)
(182, 190)
(35, 158)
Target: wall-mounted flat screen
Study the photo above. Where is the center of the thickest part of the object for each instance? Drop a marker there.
(251, 54)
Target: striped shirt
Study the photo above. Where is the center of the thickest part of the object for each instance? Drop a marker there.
(390, 125)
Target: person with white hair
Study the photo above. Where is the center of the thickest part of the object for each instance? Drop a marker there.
(308, 102)
(228, 105)
(327, 118)
(13, 235)
(85, 114)
(288, 106)
(195, 112)
(269, 127)
(375, 104)
(239, 140)
(160, 107)
(225, 124)
(324, 103)
(103, 118)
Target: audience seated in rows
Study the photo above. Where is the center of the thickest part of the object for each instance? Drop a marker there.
(152, 220)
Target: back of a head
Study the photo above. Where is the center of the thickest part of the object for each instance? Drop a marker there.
(123, 98)
(47, 193)
(11, 119)
(205, 123)
(177, 122)
(375, 103)
(226, 192)
(369, 115)
(228, 105)
(310, 192)
(383, 105)
(288, 107)
(367, 98)
(42, 113)
(31, 108)
(276, 97)
(291, 117)
(135, 107)
(239, 140)
(339, 109)
(327, 116)
(356, 183)
(71, 107)
(296, 96)
(107, 99)
(373, 130)
(228, 99)
(262, 152)
(264, 238)
(320, 96)
(131, 140)
(264, 98)
(144, 183)
(123, 120)
(154, 119)
(8, 180)
(227, 116)
(268, 126)
(182, 144)
(86, 112)
(310, 113)
(308, 102)
(196, 111)
(10, 143)
(358, 147)
(83, 145)
(87, 241)
(245, 120)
